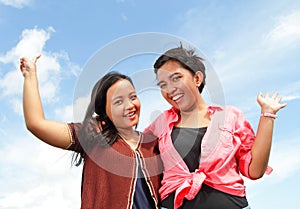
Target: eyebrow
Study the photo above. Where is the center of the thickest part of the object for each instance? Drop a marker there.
(120, 97)
(170, 77)
(116, 98)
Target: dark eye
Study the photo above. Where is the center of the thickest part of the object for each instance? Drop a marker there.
(176, 78)
(162, 85)
(118, 102)
(133, 97)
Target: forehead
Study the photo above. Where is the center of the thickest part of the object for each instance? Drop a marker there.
(169, 68)
(121, 87)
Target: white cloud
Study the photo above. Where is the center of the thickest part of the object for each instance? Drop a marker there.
(80, 107)
(285, 159)
(11, 83)
(50, 67)
(17, 106)
(3, 119)
(38, 176)
(65, 113)
(32, 42)
(286, 32)
(16, 3)
(291, 92)
(53, 196)
(241, 53)
(290, 98)
(34, 173)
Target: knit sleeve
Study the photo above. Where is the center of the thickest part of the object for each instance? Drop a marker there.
(74, 132)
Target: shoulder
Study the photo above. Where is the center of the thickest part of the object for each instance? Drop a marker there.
(148, 137)
(224, 110)
(227, 114)
(160, 124)
(232, 110)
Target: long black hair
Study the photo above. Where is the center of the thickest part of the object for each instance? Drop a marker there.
(89, 134)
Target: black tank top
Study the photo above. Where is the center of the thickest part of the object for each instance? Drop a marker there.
(187, 142)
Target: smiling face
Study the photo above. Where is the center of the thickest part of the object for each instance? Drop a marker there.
(122, 105)
(178, 86)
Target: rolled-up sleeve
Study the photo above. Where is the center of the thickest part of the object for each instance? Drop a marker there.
(74, 132)
(246, 135)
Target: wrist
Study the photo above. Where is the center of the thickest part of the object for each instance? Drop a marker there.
(30, 74)
(268, 115)
(268, 109)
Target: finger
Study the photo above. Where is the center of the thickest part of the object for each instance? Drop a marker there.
(260, 95)
(275, 95)
(24, 60)
(100, 125)
(22, 66)
(283, 105)
(279, 99)
(267, 95)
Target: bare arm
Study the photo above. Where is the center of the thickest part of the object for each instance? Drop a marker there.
(263, 141)
(51, 132)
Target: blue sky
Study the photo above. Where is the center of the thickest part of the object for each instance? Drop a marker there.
(252, 46)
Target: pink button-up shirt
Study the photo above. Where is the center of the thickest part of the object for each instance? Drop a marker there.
(225, 153)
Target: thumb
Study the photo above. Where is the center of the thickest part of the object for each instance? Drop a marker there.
(36, 58)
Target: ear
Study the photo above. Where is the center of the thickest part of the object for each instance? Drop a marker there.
(198, 78)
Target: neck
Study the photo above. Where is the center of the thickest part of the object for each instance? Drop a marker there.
(196, 117)
(131, 137)
(128, 133)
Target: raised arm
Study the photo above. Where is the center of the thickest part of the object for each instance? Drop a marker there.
(51, 132)
(263, 141)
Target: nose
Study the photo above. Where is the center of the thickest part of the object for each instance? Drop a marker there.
(170, 89)
(129, 104)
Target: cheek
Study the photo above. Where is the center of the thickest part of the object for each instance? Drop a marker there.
(108, 111)
(191, 89)
(116, 115)
(110, 108)
(164, 94)
(137, 105)
(112, 112)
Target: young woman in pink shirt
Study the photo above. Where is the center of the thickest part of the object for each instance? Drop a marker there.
(204, 147)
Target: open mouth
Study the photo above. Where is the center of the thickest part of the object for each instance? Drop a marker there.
(131, 115)
(177, 97)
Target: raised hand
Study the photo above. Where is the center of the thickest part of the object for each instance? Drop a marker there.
(27, 66)
(270, 104)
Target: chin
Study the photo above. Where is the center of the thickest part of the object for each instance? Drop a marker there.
(133, 124)
(174, 104)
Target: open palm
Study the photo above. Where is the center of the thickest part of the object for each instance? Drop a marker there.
(270, 104)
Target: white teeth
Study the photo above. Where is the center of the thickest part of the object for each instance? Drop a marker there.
(130, 114)
(177, 97)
